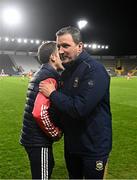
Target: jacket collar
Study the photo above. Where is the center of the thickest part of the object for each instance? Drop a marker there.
(50, 68)
(81, 57)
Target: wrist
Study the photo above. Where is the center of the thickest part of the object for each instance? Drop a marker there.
(52, 93)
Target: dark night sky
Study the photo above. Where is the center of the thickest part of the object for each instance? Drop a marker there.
(109, 22)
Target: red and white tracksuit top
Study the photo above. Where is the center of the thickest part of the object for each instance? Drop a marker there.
(41, 114)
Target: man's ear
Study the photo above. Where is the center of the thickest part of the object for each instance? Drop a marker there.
(81, 45)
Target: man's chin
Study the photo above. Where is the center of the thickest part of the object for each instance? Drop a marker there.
(66, 61)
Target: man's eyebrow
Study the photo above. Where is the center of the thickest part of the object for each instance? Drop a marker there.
(64, 44)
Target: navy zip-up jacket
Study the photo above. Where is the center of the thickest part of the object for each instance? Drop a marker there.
(31, 134)
(85, 107)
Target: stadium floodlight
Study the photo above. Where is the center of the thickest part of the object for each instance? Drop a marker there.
(37, 41)
(11, 16)
(12, 39)
(19, 40)
(82, 24)
(32, 41)
(85, 45)
(25, 40)
(94, 46)
(6, 39)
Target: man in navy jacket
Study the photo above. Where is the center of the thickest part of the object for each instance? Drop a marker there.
(84, 105)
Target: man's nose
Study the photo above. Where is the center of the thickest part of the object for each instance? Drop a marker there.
(61, 50)
(61, 56)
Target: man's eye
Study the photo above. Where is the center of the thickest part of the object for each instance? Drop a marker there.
(58, 47)
(65, 46)
(62, 46)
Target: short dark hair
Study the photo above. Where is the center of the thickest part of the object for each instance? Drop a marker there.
(75, 33)
(45, 50)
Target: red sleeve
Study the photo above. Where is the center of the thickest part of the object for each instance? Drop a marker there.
(41, 114)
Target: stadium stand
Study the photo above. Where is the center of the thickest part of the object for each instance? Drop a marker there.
(129, 64)
(22, 63)
(26, 63)
(20, 58)
(109, 63)
(18, 63)
(6, 65)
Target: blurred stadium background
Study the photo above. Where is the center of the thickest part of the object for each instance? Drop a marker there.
(19, 56)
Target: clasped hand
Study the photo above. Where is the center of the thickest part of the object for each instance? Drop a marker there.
(46, 88)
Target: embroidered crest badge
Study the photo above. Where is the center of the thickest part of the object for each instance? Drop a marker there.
(76, 82)
(99, 165)
(91, 83)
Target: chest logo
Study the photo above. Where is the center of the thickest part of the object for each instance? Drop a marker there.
(91, 83)
(99, 165)
(76, 82)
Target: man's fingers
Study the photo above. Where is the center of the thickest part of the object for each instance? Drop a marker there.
(50, 82)
(41, 83)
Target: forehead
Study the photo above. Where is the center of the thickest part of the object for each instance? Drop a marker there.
(64, 39)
